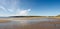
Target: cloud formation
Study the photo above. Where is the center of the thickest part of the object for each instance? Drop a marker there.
(11, 8)
(18, 13)
(24, 12)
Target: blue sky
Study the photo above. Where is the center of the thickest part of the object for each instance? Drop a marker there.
(29, 7)
(43, 7)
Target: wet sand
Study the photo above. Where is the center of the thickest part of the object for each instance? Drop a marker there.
(34, 23)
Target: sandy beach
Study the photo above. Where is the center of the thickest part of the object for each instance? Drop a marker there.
(29, 23)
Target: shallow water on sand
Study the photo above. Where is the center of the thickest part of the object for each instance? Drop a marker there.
(20, 23)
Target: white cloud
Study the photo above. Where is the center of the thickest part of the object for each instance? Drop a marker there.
(18, 13)
(11, 8)
(24, 12)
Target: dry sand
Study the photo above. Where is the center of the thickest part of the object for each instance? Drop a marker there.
(4, 20)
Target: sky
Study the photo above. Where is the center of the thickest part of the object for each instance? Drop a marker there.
(29, 7)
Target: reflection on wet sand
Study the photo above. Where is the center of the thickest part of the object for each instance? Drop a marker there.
(38, 23)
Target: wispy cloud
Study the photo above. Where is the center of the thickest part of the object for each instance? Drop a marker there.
(18, 13)
(24, 12)
(11, 8)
